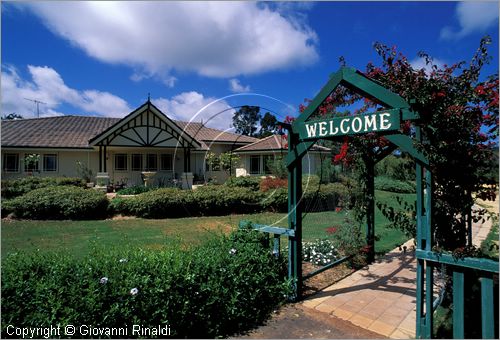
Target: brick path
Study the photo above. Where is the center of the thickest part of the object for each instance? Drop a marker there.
(381, 297)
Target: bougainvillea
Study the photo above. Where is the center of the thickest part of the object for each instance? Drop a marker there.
(458, 109)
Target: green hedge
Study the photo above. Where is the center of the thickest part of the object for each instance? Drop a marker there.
(217, 200)
(205, 201)
(135, 190)
(243, 182)
(59, 202)
(18, 187)
(227, 286)
(393, 185)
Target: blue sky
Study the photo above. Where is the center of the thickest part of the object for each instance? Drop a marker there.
(198, 59)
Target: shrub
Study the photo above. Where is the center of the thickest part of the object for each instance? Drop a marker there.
(18, 187)
(269, 183)
(320, 252)
(60, 202)
(392, 185)
(135, 190)
(206, 200)
(243, 182)
(227, 286)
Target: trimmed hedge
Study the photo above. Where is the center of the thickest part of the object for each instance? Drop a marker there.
(59, 202)
(224, 287)
(243, 182)
(393, 185)
(205, 201)
(217, 200)
(18, 187)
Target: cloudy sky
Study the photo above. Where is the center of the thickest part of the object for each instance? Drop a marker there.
(197, 60)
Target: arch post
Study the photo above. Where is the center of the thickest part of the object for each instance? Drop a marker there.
(295, 219)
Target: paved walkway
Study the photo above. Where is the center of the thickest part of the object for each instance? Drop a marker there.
(381, 297)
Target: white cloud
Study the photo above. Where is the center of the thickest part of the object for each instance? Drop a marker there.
(473, 16)
(214, 39)
(236, 87)
(47, 86)
(195, 107)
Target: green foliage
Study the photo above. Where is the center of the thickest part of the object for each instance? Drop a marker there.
(17, 187)
(243, 182)
(327, 172)
(350, 241)
(204, 201)
(393, 185)
(278, 167)
(60, 202)
(268, 125)
(84, 171)
(320, 252)
(402, 216)
(224, 287)
(135, 190)
(245, 120)
(396, 167)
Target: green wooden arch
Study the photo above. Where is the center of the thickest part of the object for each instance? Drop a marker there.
(298, 147)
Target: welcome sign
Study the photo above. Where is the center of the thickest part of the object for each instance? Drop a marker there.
(340, 126)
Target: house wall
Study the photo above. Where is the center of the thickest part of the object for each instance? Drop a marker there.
(311, 163)
(66, 162)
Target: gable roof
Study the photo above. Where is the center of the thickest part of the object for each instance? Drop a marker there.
(273, 143)
(76, 131)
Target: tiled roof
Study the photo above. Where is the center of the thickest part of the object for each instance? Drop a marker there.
(76, 131)
(58, 132)
(272, 143)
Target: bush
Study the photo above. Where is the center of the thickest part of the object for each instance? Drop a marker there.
(243, 182)
(392, 185)
(60, 202)
(227, 286)
(18, 187)
(204, 201)
(135, 190)
(269, 183)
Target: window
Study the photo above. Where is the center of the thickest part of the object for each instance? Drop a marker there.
(50, 162)
(11, 162)
(31, 162)
(121, 162)
(254, 165)
(136, 162)
(268, 164)
(166, 162)
(151, 162)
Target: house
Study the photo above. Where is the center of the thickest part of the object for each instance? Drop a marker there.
(143, 144)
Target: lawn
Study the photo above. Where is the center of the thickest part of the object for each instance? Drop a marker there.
(78, 237)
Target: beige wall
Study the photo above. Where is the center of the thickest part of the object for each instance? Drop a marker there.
(310, 163)
(66, 162)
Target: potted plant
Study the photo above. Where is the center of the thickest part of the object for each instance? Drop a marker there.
(31, 163)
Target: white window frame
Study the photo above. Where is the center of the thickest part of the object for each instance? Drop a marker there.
(44, 169)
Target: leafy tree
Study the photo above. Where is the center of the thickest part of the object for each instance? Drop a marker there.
(245, 120)
(12, 116)
(459, 125)
(268, 125)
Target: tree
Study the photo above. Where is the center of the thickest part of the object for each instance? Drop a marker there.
(245, 120)
(459, 125)
(268, 125)
(12, 116)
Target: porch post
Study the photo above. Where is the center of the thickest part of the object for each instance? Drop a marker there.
(100, 158)
(104, 159)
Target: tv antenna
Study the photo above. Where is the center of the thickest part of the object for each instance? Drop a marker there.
(37, 103)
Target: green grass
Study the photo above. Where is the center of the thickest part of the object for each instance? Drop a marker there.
(78, 237)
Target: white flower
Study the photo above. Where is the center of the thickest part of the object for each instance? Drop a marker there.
(232, 251)
(123, 260)
(134, 291)
(103, 280)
